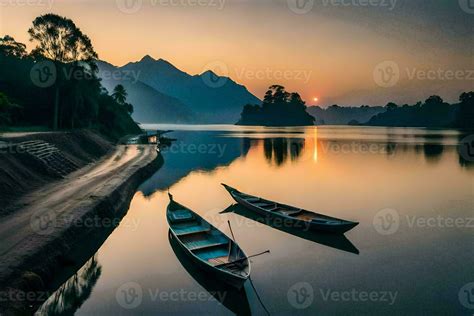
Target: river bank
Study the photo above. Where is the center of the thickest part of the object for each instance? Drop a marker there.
(60, 224)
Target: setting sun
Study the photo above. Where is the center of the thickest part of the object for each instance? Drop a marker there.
(315, 99)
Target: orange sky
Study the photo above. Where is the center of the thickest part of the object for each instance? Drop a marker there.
(330, 52)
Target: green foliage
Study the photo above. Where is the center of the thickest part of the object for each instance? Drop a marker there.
(9, 47)
(120, 96)
(434, 112)
(59, 39)
(465, 113)
(6, 107)
(279, 108)
(77, 94)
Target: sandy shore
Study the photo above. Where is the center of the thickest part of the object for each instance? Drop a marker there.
(52, 220)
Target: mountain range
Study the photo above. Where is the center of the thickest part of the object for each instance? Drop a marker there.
(161, 93)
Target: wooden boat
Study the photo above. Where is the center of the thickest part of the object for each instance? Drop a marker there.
(297, 217)
(336, 241)
(210, 249)
(235, 300)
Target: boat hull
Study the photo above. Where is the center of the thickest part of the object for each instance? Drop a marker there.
(229, 279)
(291, 222)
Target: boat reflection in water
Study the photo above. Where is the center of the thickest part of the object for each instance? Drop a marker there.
(339, 242)
(233, 299)
(72, 294)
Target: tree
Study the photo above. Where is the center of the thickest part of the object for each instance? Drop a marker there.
(9, 47)
(465, 113)
(120, 94)
(61, 41)
(434, 101)
(391, 106)
(279, 108)
(5, 107)
(467, 97)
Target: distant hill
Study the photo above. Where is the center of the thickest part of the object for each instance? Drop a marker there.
(338, 115)
(150, 106)
(212, 98)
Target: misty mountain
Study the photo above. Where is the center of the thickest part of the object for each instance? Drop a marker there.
(339, 115)
(150, 106)
(213, 98)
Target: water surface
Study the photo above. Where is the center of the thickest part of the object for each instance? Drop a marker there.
(406, 187)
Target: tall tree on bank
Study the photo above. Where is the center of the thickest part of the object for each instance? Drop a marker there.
(57, 38)
(120, 96)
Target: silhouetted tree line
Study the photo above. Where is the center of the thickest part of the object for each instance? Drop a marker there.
(279, 108)
(73, 97)
(434, 112)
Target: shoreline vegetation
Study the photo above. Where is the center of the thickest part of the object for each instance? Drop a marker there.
(60, 76)
(280, 108)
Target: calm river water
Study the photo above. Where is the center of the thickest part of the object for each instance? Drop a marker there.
(410, 189)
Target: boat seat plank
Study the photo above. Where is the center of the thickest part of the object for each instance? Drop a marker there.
(181, 216)
(211, 253)
(198, 245)
(192, 230)
(263, 204)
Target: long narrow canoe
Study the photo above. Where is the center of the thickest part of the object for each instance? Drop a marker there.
(297, 217)
(208, 248)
